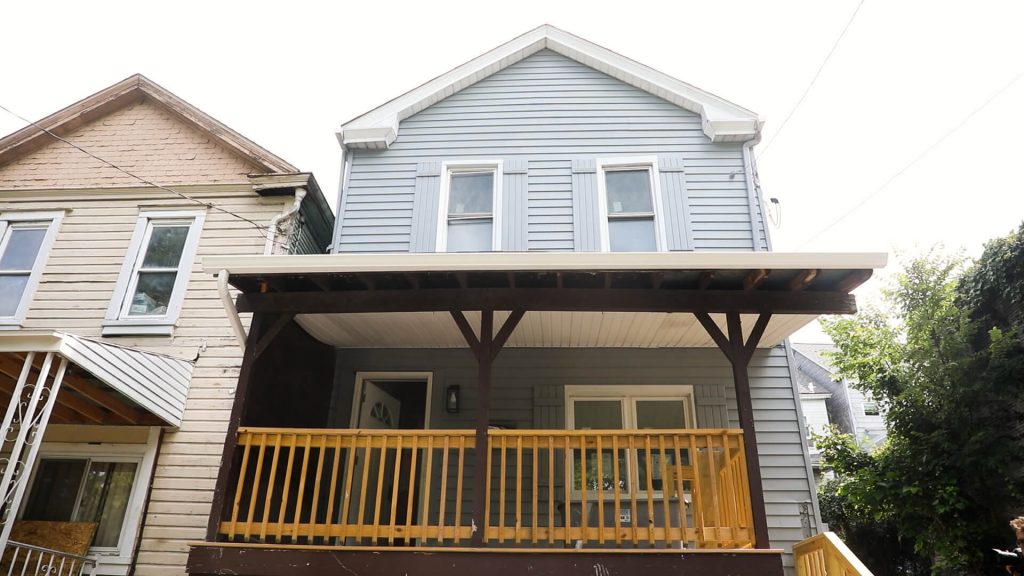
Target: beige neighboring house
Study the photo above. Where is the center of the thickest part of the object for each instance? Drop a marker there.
(112, 339)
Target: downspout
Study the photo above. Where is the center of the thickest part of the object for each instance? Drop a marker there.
(753, 198)
(339, 207)
(276, 222)
(229, 307)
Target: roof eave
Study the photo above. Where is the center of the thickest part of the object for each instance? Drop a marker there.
(722, 120)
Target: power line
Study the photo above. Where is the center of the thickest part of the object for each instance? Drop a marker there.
(260, 227)
(916, 159)
(813, 80)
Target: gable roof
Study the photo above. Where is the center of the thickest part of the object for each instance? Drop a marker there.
(126, 92)
(722, 120)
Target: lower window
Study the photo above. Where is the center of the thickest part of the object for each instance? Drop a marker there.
(626, 408)
(84, 490)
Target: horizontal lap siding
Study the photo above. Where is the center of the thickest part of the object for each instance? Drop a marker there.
(528, 392)
(548, 110)
(73, 294)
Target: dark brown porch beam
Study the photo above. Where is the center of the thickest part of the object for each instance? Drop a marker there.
(550, 299)
(754, 279)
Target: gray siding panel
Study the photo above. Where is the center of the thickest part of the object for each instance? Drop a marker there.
(528, 392)
(548, 110)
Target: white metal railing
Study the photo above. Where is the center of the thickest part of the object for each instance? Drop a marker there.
(27, 560)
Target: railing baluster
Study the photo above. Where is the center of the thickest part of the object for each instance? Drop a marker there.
(698, 503)
(584, 521)
(487, 489)
(286, 488)
(535, 511)
(648, 467)
(396, 478)
(428, 473)
(379, 494)
(501, 491)
(272, 479)
(713, 480)
(519, 488)
(600, 488)
(346, 489)
(634, 472)
(335, 464)
(443, 500)
(244, 438)
(254, 493)
(567, 488)
(679, 486)
(551, 489)
(363, 489)
(730, 504)
(302, 487)
(458, 488)
(412, 491)
(616, 488)
(666, 490)
(316, 487)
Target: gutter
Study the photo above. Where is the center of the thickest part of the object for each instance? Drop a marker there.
(275, 223)
(753, 198)
(229, 307)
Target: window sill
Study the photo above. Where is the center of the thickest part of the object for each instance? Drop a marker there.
(10, 325)
(121, 328)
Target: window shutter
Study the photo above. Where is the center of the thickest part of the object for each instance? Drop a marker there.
(513, 211)
(676, 203)
(586, 215)
(424, 207)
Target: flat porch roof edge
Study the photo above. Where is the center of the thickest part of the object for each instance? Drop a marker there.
(541, 261)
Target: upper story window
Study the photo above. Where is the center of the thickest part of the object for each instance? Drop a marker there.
(630, 203)
(871, 408)
(25, 240)
(468, 215)
(154, 276)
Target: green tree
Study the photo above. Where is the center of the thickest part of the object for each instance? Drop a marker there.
(948, 378)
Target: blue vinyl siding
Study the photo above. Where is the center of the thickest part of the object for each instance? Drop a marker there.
(546, 112)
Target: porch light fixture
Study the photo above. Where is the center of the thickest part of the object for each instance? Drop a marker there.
(451, 399)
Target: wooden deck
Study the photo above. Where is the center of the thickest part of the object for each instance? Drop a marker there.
(639, 489)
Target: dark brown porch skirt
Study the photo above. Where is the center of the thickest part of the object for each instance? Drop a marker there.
(270, 561)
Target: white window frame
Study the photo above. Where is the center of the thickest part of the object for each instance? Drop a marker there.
(112, 560)
(454, 167)
(628, 395)
(118, 321)
(10, 221)
(649, 163)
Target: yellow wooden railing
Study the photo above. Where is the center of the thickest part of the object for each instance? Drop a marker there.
(561, 488)
(826, 555)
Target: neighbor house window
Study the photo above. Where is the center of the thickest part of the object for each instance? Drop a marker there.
(871, 408)
(154, 276)
(83, 490)
(626, 408)
(25, 240)
(630, 206)
(469, 203)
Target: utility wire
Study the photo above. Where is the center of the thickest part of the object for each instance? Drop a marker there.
(916, 159)
(813, 80)
(260, 227)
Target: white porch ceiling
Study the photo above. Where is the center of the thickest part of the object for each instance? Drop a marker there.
(536, 330)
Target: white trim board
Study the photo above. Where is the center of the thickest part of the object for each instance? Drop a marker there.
(722, 120)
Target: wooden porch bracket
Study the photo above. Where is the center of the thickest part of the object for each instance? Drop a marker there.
(739, 353)
(486, 348)
(272, 331)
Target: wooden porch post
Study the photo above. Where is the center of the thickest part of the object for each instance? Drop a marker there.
(260, 336)
(739, 354)
(486, 349)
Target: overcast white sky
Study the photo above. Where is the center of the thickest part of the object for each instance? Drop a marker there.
(286, 74)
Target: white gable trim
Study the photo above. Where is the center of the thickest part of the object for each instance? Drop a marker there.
(723, 121)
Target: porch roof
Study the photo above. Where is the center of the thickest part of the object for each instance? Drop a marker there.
(571, 299)
(115, 384)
